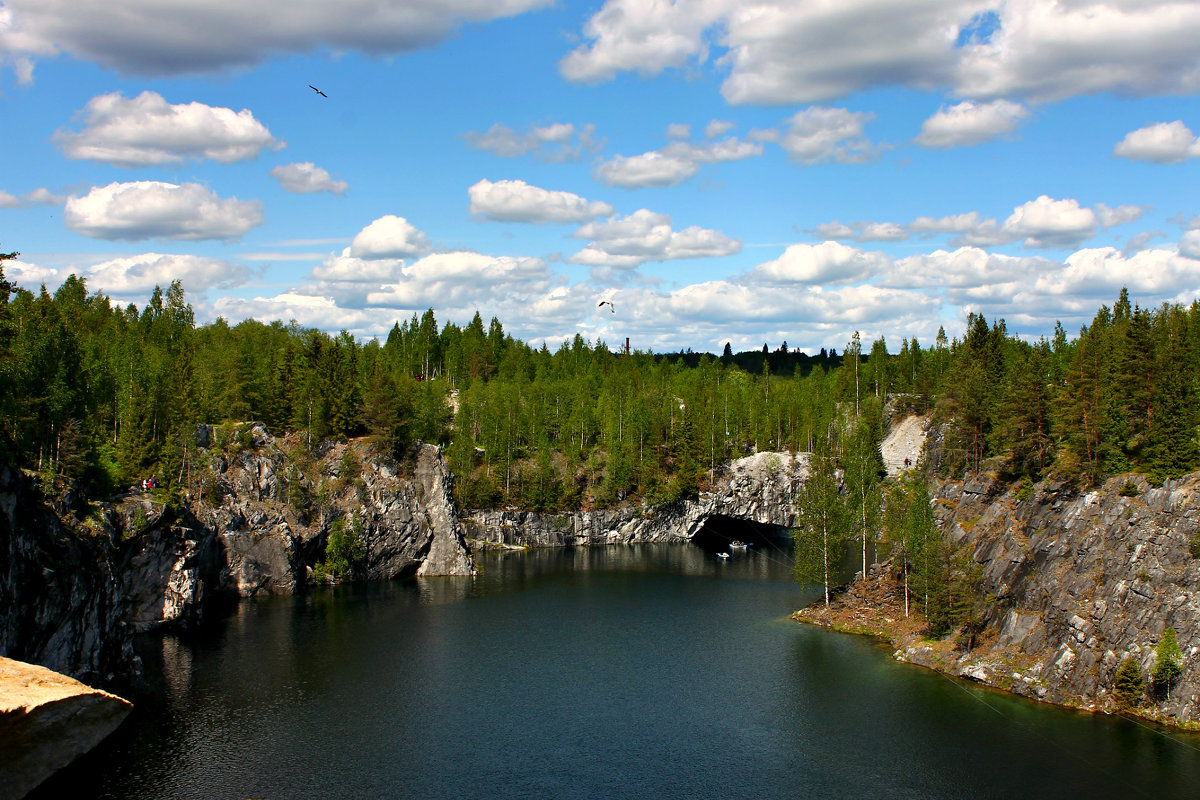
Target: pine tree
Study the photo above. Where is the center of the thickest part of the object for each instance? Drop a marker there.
(824, 525)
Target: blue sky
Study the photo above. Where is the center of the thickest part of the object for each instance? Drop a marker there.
(721, 170)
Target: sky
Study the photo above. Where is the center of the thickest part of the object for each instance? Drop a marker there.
(743, 171)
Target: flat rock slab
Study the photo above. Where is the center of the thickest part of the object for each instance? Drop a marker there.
(47, 720)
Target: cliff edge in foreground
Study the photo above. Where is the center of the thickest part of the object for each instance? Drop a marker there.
(48, 720)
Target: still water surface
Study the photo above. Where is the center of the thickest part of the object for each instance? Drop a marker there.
(649, 671)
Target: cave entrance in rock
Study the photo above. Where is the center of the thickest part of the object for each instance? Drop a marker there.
(719, 530)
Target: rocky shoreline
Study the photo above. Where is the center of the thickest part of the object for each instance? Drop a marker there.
(1071, 583)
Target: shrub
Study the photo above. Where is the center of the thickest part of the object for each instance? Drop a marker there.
(1128, 684)
(1129, 489)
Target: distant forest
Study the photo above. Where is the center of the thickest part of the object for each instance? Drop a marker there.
(107, 395)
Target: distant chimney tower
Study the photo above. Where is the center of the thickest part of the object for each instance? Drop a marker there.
(626, 345)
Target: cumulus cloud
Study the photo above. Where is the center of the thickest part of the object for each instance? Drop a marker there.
(1044, 222)
(672, 164)
(1163, 143)
(35, 197)
(627, 242)
(309, 310)
(460, 279)
(780, 52)
(147, 130)
(678, 130)
(305, 177)
(862, 231)
(31, 276)
(138, 275)
(1189, 244)
(636, 35)
(825, 263)
(518, 201)
(818, 134)
(717, 128)
(389, 237)
(192, 36)
(557, 142)
(971, 123)
(153, 209)
(648, 169)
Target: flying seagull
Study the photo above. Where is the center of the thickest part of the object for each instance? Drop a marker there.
(318, 91)
(606, 303)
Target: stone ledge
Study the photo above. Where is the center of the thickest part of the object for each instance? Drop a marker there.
(47, 720)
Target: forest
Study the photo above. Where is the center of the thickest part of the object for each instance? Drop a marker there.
(107, 394)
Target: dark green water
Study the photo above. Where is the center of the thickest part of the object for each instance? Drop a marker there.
(647, 672)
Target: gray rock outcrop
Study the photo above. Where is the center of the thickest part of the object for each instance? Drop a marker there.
(74, 590)
(760, 488)
(1074, 582)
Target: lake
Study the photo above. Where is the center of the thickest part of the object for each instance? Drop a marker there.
(645, 671)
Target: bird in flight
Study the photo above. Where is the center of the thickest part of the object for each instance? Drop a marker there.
(608, 303)
(318, 91)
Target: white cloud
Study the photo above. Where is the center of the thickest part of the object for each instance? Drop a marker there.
(626, 242)
(963, 268)
(346, 268)
(36, 197)
(557, 142)
(648, 169)
(1163, 143)
(138, 275)
(30, 276)
(462, 280)
(518, 201)
(1110, 217)
(672, 164)
(862, 231)
(149, 37)
(971, 123)
(815, 264)
(781, 51)
(305, 177)
(148, 130)
(309, 310)
(647, 36)
(1189, 244)
(1044, 222)
(819, 134)
(1101, 272)
(153, 209)
(678, 130)
(717, 128)
(389, 237)
(1051, 223)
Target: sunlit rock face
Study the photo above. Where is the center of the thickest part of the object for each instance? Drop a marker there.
(47, 720)
(760, 489)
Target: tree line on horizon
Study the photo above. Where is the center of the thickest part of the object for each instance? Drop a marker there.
(107, 394)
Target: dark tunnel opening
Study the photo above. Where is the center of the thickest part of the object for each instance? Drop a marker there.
(719, 531)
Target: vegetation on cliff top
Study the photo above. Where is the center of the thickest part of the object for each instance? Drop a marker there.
(111, 394)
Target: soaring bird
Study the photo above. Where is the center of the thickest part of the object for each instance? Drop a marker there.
(318, 91)
(608, 303)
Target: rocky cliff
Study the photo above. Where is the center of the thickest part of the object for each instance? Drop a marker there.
(78, 579)
(760, 489)
(1074, 581)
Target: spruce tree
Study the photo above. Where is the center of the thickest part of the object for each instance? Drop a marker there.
(1168, 662)
(1128, 684)
(824, 525)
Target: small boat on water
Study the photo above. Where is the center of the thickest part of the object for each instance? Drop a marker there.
(737, 545)
(722, 555)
